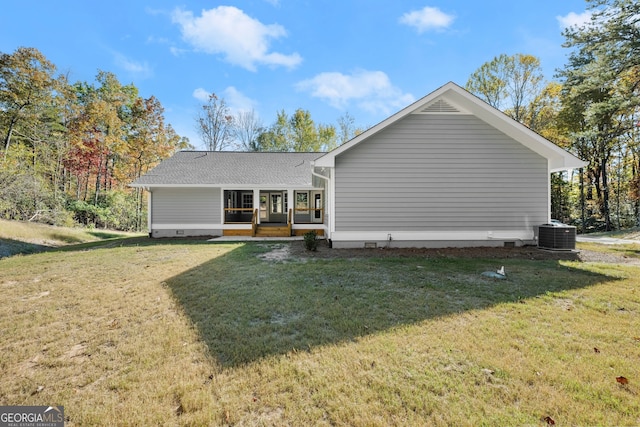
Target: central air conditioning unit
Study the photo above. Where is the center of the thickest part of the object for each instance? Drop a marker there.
(557, 237)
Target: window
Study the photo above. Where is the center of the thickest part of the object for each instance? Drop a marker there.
(247, 200)
(238, 206)
(302, 200)
(276, 203)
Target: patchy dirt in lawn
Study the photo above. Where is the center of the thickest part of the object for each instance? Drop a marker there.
(297, 250)
(280, 252)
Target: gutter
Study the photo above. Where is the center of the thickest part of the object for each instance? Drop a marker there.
(327, 199)
(314, 173)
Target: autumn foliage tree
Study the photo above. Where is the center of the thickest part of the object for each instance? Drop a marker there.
(508, 82)
(70, 150)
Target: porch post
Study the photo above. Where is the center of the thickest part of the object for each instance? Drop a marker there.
(290, 204)
(256, 202)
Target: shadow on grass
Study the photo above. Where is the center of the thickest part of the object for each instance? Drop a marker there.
(105, 234)
(108, 243)
(10, 247)
(68, 242)
(247, 308)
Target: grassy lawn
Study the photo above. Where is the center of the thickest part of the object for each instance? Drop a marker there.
(186, 332)
(27, 238)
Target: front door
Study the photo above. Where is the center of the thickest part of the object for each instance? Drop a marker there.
(316, 214)
(273, 206)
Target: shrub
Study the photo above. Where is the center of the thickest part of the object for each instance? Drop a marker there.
(310, 240)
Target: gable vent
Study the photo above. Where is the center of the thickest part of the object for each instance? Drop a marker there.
(440, 106)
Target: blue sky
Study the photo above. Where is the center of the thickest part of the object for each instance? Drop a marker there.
(369, 58)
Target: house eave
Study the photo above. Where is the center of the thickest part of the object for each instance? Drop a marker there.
(467, 103)
(234, 186)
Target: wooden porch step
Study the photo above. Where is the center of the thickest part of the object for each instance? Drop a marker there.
(272, 231)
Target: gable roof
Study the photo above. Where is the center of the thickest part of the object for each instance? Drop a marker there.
(216, 168)
(453, 99)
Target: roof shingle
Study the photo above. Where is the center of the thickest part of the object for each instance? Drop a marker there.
(214, 168)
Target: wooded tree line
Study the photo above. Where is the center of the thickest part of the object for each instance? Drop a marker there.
(70, 149)
(219, 129)
(593, 110)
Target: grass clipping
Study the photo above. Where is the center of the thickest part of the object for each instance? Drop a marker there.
(193, 333)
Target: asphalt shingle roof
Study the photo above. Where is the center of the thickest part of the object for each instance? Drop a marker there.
(231, 168)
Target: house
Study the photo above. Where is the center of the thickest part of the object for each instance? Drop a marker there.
(204, 193)
(447, 171)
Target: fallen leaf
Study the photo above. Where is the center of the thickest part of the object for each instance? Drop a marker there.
(622, 380)
(179, 410)
(550, 421)
(38, 390)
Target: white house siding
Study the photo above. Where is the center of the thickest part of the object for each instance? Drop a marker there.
(186, 212)
(444, 177)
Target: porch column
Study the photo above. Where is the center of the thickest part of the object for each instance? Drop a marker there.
(256, 202)
(290, 205)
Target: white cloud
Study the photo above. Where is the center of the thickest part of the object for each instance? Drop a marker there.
(574, 19)
(141, 69)
(227, 30)
(201, 94)
(428, 18)
(370, 90)
(238, 101)
(235, 100)
(176, 51)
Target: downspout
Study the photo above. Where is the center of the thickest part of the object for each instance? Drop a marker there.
(149, 204)
(327, 199)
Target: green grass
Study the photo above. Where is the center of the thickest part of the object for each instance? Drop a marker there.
(186, 332)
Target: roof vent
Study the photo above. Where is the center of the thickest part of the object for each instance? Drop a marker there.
(440, 106)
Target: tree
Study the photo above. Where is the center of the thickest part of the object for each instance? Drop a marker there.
(149, 140)
(276, 137)
(215, 124)
(98, 133)
(69, 150)
(515, 79)
(297, 133)
(247, 129)
(613, 34)
(601, 88)
(26, 83)
(541, 115)
(346, 127)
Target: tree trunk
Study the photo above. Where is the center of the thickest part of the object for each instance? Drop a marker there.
(7, 138)
(98, 178)
(605, 195)
(582, 201)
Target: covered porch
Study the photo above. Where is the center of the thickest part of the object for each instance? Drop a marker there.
(273, 212)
